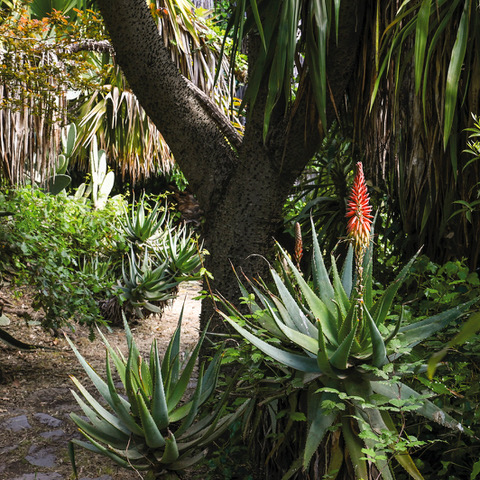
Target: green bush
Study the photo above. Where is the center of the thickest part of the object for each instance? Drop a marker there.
(48, 242)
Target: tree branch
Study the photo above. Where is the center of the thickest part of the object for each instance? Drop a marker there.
(197, 132)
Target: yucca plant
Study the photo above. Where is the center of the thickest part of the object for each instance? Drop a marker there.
(153, 428)
(146, 285)
(340, 340)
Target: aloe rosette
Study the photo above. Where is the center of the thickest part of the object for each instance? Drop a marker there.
(339, 337)
(153, 428)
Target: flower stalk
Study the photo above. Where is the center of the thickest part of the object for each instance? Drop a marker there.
(359, 215)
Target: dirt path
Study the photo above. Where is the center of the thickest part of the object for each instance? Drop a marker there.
(35, 397)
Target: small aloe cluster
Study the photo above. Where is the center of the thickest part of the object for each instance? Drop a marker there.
(338, 337)
(154, 428)
(161, 256)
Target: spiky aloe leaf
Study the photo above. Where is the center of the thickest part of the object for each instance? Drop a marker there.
(319, 423)
(159, 402)
(120, 406)
(319, 309)
(98, 432)
(339, 359)
(379, 352)
(341, 298)
(101, 424)
(295, 315)
(322, 354)
(176, 393)
(99, 383)
(170, 453)
(354, 445)
(96, 447)
(171, 360)
(426, 408)
(414, 333)
(321, 279)
(306, 342)
(298, 362)
(194, 405)
(347, 272)
(213, 430)
(153, 436)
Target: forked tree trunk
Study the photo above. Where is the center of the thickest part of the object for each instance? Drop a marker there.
(241, 183)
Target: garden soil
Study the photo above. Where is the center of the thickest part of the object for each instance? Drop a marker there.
(35, 388)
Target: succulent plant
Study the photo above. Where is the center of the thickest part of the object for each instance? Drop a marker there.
(141, 226)
(147, 285)
(154, 428)
(341, 341)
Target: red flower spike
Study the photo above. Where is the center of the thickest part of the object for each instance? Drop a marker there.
(359, 211)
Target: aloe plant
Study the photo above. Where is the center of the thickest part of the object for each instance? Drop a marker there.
(182, 251)
(154, 428)
(141, 226)
(338, 336)
(146, 285)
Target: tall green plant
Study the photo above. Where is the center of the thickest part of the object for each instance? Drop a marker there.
(339, 338)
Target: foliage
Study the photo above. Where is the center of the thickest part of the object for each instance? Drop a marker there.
(154, 428)
(48, 240)
(342, 342)
(40, 67)
(301, 31)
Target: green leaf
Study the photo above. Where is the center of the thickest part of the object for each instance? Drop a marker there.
(298, 362)
(354, 445)
(455, 70)
(319, 423)
(427, 409)
(153, 436)
(159, 403)
(421, 35)
(340, 358)
(471, 327)
(416, 332)
(382, 306)
(379, 356)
